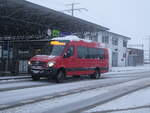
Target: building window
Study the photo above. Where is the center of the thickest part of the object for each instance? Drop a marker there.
(91, 36)
(105, 39)
(124, 43)
(115, 41)
(95, 38)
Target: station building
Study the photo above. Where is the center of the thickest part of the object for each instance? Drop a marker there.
(117, 45)
(135, 57)
(25, 27)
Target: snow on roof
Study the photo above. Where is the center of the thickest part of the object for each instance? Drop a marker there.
(71, 38)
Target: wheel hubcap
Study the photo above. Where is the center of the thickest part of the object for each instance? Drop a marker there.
(96, 75)
(60, 76)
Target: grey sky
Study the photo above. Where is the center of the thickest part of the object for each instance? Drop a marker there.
(127, 17)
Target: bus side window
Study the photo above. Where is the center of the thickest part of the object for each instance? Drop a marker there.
(101, 53)
(95, 53)
(91, 53)
(82, 52)
(106, 54)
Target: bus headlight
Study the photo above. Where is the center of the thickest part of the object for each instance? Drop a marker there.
(51, 64)
(29, 63)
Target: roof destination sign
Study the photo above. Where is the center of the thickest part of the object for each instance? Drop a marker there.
(53, 33)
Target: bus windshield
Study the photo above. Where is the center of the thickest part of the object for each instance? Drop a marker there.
(56, 50)
(53, 48)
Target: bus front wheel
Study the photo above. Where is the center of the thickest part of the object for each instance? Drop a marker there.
(60, 77)
(35, 78)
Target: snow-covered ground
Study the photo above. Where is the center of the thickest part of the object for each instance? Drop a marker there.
(23, 84)
(137, 102)
(13, 77)
(113, 71)
(70, 102)
(118, 74)
(125, 71)
(130, 68)
(27, 93)
(140, 110)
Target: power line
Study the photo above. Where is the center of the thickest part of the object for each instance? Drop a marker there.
(73, 9)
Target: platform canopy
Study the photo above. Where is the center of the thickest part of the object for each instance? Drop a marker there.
(20, 17)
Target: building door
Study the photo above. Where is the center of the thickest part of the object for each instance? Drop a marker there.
(114, 59)
(23, 57)
(23, 66)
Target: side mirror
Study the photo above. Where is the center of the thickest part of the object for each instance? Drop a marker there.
(101, 57)
(66, 55)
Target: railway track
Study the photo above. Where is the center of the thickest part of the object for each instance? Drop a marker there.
(23, 84)
(63, 93)
(14, 81)
(47, 83)
(22, 87)
(13, 77)
(37, 84)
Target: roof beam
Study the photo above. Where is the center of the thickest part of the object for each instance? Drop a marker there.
(19, 20)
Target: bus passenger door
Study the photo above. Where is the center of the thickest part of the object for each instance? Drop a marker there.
(103, 60)
(69, 60)
(82, 62)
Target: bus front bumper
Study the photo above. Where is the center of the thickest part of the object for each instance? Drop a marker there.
(43, 72)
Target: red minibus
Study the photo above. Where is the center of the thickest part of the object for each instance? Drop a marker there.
(69, 56)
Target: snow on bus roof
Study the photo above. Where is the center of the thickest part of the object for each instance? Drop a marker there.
(71, 38)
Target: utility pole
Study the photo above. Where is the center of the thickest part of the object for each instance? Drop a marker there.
(74, 9)
(3, 7)
(148, 47)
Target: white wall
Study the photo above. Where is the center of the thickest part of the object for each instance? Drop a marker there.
(122, 61)
(119, 49)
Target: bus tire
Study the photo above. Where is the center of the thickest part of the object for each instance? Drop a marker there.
(76, 76)
(35, 78)
(96, 75)
(60, 77)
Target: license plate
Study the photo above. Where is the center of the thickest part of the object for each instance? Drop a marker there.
(36, 67)
(35, 71)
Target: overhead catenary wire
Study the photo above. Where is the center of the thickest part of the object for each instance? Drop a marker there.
(73, 9)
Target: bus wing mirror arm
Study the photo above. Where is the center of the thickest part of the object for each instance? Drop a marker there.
(101, 57)
(65, 55)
